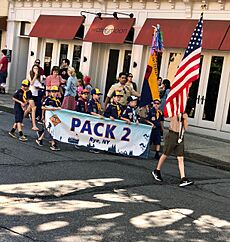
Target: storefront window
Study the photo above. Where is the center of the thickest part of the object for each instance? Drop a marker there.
(210, 99)
(63, 53)
(48, 58)
(76, 57)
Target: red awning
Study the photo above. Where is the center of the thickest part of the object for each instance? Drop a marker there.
(3, 23)
(109, 30)
(226, 41)
(56, 27)
(177, 32)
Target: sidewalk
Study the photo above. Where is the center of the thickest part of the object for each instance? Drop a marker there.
(213, 151)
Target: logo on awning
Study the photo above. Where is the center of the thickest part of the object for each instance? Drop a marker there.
(108, 30)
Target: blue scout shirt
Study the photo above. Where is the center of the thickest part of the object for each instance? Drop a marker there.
(155, 117)
(131, 114)
(113, 110)
(94, 106)
(82, 105)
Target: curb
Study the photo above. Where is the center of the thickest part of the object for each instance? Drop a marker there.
(6, 109)
(205, 160)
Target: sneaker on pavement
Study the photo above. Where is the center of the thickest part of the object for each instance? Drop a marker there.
(157, 175)
(23, 138)
(54, 147)
(185, 182)
(39, 142)
(13, 135)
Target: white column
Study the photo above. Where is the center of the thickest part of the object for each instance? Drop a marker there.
(137, 52)
(33, 52)
(3, 43)
(11, 43)
(86, 57)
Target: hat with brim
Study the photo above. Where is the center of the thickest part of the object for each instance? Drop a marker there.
(25, 83)
(117, 93)
(132, 98)
(84, 91)
(54, 89)
(96, 91)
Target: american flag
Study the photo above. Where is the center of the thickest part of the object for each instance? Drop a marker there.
(187, 72)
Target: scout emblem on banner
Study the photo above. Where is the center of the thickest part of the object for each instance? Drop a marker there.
(150, 86)
(187, 72)
(55, 120)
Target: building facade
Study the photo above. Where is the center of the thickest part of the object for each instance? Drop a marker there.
(104, 37)
(3, 23)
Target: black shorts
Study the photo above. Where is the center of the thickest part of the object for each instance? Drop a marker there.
(19, 115)
(172, 145)
(155, 137)
(35, 98)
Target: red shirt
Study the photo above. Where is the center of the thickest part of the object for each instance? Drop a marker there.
(4, 62)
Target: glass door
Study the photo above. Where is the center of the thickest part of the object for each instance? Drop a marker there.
(207, 99)
(119, 60)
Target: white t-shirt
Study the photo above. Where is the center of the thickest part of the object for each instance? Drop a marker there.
(35, 87)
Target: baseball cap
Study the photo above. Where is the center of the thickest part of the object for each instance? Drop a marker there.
(84, 91)
(87, 79)
(25, 83)
(117, 93)
(132, 98)
(54, 89)
(157, 100)
(96, 91)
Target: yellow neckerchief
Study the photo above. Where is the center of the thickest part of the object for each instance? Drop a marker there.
(118, 109)
(24, 96)
(56, 101)
(98, 105)
(158, 113)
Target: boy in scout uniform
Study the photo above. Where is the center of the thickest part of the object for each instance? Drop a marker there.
(94, 106)
(20, 97)
(155, 118)
(51, 103)
(114, 109)
(130, 114)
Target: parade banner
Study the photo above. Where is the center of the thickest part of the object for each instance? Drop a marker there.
(95, 133)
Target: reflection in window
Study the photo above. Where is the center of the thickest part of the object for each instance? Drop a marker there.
(63, 53)
(213, 88)
(174, 61)
(76, 57)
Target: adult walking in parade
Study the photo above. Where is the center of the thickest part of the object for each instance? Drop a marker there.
(3, 70)
(172, 145)
(164, 93)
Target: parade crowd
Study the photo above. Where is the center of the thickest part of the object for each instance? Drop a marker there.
(65, 88)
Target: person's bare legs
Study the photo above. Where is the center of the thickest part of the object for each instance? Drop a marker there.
(161, 161)
(181, 165)
(33, 114)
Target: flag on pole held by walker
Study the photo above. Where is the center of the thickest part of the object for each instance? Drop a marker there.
(187, 72)
(150, 86)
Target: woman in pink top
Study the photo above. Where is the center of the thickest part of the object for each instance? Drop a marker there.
(53, 80)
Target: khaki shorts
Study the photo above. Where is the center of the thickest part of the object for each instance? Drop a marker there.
(172, 146)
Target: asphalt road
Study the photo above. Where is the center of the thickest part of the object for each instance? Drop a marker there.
(78, 196)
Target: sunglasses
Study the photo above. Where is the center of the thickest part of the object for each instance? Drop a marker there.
(157, 103)
(131, 76)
